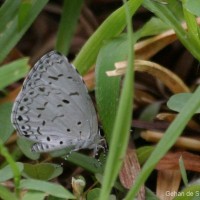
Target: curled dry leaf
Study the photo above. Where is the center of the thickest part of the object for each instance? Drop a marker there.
(171, 161)
(89, 79)
(129, 171)
(143, 97)
(168, 181)
(149, 47)
(167, 77)
(192, 144)
(169, 117)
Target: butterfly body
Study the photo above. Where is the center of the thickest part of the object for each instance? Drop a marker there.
(54, 108)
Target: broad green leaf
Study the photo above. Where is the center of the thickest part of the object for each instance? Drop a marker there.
(108, 88)
(6, 128)
(6, 173)
(86, 162)
(193, 6)
(42, 171)
(191, 192)
(177, 101)
(6, 194)
(13, 71)
(25, 146)
(47, 187)
(93, 194)
(33, 195)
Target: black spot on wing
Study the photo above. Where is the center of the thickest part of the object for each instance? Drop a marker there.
(38, 130)
(41, 89)
(53, 77)
(57, 117)
(74, 94)
(40, 108)
(65, 101)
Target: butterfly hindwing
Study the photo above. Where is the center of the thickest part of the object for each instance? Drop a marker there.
(54, 106)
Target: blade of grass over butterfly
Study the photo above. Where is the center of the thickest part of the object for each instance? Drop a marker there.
(12, 34)
(165, 12)
(16, 172)
(122, 125)
(169, 138)
(110, 28)
(67, 25)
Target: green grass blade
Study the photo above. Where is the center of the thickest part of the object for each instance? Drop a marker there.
(7, 11)
(4, 152)
(169, 138)
(183, 171)
(122, 125)
(6, 128)
(23, 13)
(110, 28)
(12, 34)
(70, 14)
(192, 26)
(165, 13)
(13, 71)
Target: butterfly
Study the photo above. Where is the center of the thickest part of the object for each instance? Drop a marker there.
(54, 109)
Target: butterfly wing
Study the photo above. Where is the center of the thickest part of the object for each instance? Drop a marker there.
(54, 107)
